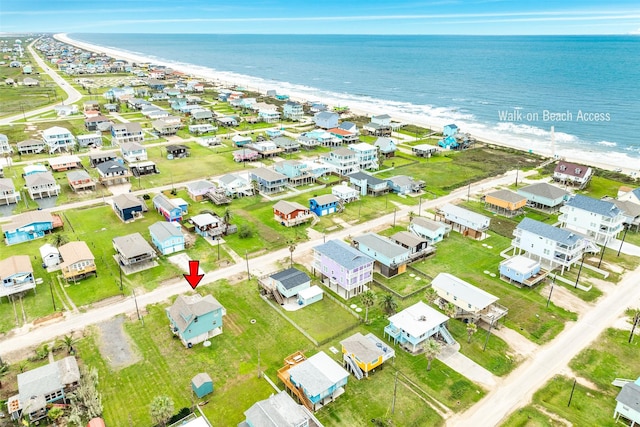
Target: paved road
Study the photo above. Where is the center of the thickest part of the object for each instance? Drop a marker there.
(30, 336)
(518, 388)
(72, 94)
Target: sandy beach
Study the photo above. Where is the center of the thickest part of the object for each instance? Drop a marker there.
(603, 161)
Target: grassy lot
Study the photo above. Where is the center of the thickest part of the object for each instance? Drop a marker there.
(405, 283)
(530, 416)
(527, 312)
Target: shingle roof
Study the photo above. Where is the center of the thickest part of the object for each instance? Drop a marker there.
(14, 265)
(572, 169)
(362, 347)
(201, 379)
(291, 277)
(199, 185)
(132, 245)
(268, 174)
(126, 147)
(630, 396)
(186, 308)
(401, 180)
(73, 252)
(125, 201)
(545, 190)
(130, 127)
(164, 230)
(42, 178)
(407, 238)
(78, 175)
(589, 204)
(427, 223)
(279, 410)
(343, 152)
(464, 291)
(110, 166)
(229, 178)
(461, 212)
(381, 245)
(343, 254)
(287, 207)
(48, 378)
(547, 231)
(371, 180)
(325, 199)
(628, 208)
(507, 196)
(6, 184)
(27, 218)
(318, 373)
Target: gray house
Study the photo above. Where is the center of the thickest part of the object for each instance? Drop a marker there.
(544, 196)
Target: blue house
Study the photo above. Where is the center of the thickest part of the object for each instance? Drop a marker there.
(16, 275)
(368, 184)
(386, 146)
(269, 181)
(450, 130)
(319, 378)
(416, 324)
(127, 207)
(324, 205)
(290, 282)
(390, 257)
(522, 270)
(195, 318)
(273, 133)
(433, 231)
(326, 119)
(403, 184)
(167, 208)
(167, 237)
(202, 384)
(27, 226)
(449, 142)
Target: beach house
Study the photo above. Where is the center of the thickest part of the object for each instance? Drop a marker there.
(386, 146)
(630, 212)
(403, 184)
(208, 225)
(197, 189)
(630, 195)
(342, 160)
(96, 158)
(505, 202)
(265, 148)
(286, 144)
(269, 114)
(544, 196)
(597, 219)
(326, 119)
(89, 140)
(287, 283)
(40, 388)
(133, 252)
(80, 180)
(269, 181)
(127, 133)
(362, 354)
(291, 213)
(29, 226)
(77, 261)
(40, 185)
(572, 174)
(316, 381)
(235, 186)
(424, 150)
(92, 123)
(521, 270)
(296, 171)
(433, 231)
(344, 136)
(58, 139)
(133, 152)
(628, 404)
(391, 258)
(325, 204)
(30, 146)
(554, 247)
(16, 275)
(279, 410)
(368, 184)
(379, 125)
(127, 206)
(63, 163)
(168, 208)
(8, 193)
(166, 126)
(195, 319)
(345, 193)
(467, 222)
(472, 303)
(411, 327)
(112, 172)
(366, 155)
(417, 246)
(342, 268)
(5, 147)
(177, 151)
(292, 111)
(167, 237)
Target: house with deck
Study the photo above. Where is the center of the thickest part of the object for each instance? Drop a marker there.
(245, 155)
(195, 319)
(386, 146)
(8, 193)
(279, 410)
(472, 303)
(198, 189)
(521, 271)
(112, 172)
(127, 133)
(600, 220)
(345, 193)
(505, 202)
(42, 185)
(58, 139)
(425, 150)
(287, 284)
(63, 163)
(134, 251)
(342, 268)
(133, 152)
(29, 226)
(165, 126)
(31, 146)
(544, 196)
(89, 140)
(290, 214)
(80, 180)
(630, 212)
(96, 158)
(344, 136)
(417, 246)
(5, 147)
(235, 185)
(177, 151)
(432, 231)
(93, 123)
(167, 237)
(265, 149)
(34, 169)
(208, 225)
(391, 258)
(326, 119)
(77, 261)
(628, 404)
(366, 156)
(572, 174)
(292, 111)
(296, 171)
(553, 247)
(168, 208)
(316, 381)
(269, 114)
(630, 195)
(325, 204)
(411, 327)
(241, 140)
(16, 275)
(128, 207)
(269, 181)
(42, 387)
(343, 161)
(379, 125)
(466, 222)
(403, 184)
(368, 184)
(362, 354)
(286, 144)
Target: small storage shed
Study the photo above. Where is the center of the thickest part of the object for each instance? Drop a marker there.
(202, 384)
(309, 295)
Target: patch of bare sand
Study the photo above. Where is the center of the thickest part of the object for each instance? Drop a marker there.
(115, 345)
(562, 297)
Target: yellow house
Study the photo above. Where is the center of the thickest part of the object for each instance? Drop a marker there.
(363, 353)
(505, 202)
(77, 261)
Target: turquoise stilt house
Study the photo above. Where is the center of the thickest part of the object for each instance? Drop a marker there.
(202, 385)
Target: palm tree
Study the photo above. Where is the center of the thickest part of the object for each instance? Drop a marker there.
(431, 349)
(472, 328)
(292, 247)
(431, 295)
(411, 216)
(388, 304)
(226, 217)
(59, 239)
(161, 409)
(4, 370)
(55, 414)
(68, 342)
(450, 309)
(255, 187)
(368, 299)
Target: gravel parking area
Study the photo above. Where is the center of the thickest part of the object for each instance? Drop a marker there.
(115, 345)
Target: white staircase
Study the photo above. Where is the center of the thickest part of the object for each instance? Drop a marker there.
(446, 335)
(355, 369)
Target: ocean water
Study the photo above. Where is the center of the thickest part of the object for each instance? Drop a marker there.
(502, 88)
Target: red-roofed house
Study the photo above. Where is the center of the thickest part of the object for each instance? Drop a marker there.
(572, 174)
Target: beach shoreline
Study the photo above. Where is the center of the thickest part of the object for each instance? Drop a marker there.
(254, 84)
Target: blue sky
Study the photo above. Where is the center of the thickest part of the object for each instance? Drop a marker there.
(323, 17)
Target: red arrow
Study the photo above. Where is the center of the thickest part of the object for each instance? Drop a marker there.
(193, 277)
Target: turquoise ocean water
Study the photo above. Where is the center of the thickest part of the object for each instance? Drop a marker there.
(511, 88)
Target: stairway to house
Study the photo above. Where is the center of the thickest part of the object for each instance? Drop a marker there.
(355, 369)
(446, 335)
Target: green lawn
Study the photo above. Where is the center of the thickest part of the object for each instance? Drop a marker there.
(405, 283)
(530, 416)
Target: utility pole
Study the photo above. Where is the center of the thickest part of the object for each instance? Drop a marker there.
(572, 390)
(603, 249)
(580, 270)
(53, 300)
(246, 257)
(553, 282)
(636, 319)
(626, 228)
(395, 389)
(488, 335)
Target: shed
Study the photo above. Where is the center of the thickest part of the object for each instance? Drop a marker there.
(202, 384)
(310, 295)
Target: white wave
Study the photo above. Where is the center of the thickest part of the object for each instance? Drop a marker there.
(607, 143)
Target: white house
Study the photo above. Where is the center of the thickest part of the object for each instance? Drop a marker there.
(58, 139)
(467, 222)
(628, 404)
(366, 155)
(345, 193)
(126, 132)
(598, 219)
(4, 144)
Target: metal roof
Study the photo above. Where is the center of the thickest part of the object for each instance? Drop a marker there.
(343, 254)
(381, 245)
(318, 373)
(164, 230)
(73, 252)
(291, 277)
(132, 245)
(14, 265)
(464, 291)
